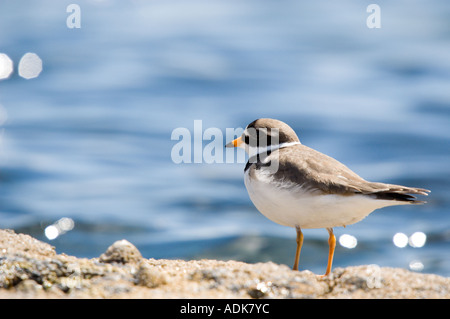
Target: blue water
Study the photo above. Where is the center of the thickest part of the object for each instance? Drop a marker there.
(90, 138)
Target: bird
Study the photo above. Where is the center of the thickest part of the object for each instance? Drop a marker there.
(296, 186)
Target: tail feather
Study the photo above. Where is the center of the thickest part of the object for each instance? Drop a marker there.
(401, 193)
(398, 197)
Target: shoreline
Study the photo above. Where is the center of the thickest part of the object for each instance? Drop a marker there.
(30, 268)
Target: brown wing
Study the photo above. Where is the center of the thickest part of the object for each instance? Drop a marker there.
(321, 173)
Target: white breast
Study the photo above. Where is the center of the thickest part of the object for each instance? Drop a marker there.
(290, 205)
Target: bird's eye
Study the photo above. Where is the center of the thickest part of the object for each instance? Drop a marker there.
(246, 139)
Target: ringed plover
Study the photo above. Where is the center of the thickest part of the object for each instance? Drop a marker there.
(297, 186)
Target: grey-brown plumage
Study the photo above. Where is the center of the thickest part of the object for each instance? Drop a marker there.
(258, 130)
(323, 174)
(316, 171)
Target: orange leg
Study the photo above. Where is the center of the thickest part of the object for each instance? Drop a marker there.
(299, 247)
(332, 244)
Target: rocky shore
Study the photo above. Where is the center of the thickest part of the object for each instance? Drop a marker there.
(30, 268)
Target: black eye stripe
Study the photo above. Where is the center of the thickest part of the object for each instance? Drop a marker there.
(262, 138)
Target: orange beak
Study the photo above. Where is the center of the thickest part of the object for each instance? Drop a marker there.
(235, 143)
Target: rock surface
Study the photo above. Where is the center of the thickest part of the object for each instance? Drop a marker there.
(31, 269)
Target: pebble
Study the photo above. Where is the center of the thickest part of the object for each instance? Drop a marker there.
(122, 251)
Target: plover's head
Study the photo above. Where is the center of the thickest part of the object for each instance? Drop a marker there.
(265, 135)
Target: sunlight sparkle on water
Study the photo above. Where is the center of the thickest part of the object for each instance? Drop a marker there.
(416, 265)
(416, 240)
(30, 66)
(60, 227)
(6, 66)
(400, 240)
(348, 241)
